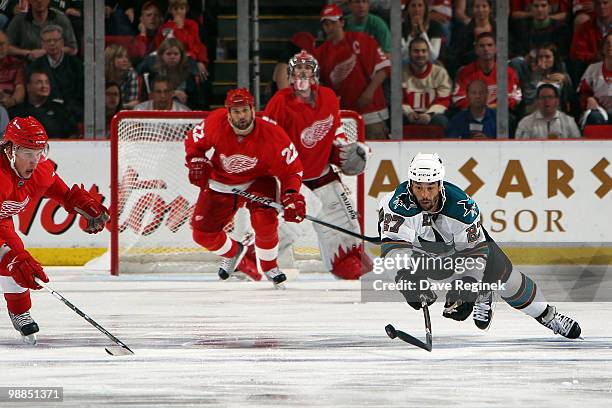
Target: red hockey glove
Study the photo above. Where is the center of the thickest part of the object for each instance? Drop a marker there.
(295, 207)
(81, 201)
(22, 267)
(199, 171)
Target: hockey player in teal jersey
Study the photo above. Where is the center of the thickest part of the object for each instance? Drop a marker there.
(426, 214)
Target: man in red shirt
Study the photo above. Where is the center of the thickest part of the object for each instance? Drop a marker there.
(309, 113)
(26, 175)
(230, 149)
(354, 66)
(485, 69)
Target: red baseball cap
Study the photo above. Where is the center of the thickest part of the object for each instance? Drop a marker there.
(331, 12)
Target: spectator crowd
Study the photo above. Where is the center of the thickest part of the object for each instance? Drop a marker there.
(157, 58)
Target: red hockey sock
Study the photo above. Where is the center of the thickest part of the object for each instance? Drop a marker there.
(18, 303)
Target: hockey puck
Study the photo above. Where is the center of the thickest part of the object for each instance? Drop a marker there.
(390, 331)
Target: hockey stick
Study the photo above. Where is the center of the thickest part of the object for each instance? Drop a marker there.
(271, 203)
(428, 345)
(120, 350)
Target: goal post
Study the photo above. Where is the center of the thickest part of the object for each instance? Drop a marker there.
(152, 199)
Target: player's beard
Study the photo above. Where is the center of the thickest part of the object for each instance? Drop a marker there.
(430, 205)
(242, 124)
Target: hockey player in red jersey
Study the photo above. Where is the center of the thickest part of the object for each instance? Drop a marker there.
(309, 113)
(249, 154)
(26, 175)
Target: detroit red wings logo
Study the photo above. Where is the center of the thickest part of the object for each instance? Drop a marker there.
(342, 70)
(237, 163)
(316, 132)
(10, 208)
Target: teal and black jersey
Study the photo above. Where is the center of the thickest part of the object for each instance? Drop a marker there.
(456, 227)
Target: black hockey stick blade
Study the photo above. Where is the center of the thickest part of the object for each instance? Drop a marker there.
(393, 333)
(119, 350)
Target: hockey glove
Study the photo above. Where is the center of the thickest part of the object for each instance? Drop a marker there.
(351, 157)
(412, 291)
(81, 201)
(295, 207)
(199, 171)
(459, 303)
(23, 267)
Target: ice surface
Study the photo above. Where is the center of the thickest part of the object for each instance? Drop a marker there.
(203, 342)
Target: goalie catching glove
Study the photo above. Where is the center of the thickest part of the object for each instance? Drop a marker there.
(22, 267)
(295, 207)
(352, 158)
(199, 171)
(81, 201)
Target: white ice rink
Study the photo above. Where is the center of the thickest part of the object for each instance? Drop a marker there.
(203, 342)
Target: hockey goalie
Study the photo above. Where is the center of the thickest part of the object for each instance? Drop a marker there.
(309, 114)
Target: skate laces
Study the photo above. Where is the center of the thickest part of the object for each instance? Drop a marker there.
(21, 320)
(229, 264)
(482, 306)
(272, 273)
(560, 324)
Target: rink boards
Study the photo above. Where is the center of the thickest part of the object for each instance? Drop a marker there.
(546, 201)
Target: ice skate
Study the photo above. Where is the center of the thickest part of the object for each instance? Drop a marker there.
(483, 309)
(277, 277)
(228, 265)
(26, 326)
(559, 324)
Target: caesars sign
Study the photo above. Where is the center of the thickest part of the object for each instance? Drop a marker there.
(530, 192)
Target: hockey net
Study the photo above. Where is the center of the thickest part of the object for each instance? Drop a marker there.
(153, 199)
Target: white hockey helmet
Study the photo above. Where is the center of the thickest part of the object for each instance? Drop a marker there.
(426, 168)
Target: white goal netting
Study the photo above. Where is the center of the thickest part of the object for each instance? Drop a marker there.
(151, 231)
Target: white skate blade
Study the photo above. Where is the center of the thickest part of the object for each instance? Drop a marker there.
(29, 339)
(118, 351)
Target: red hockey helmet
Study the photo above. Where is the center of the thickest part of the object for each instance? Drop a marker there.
(239, 97)
(26, 132)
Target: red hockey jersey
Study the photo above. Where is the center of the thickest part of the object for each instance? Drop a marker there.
(347, 67)
(189, 35)
(238, 160)
(311, 129)
(16, 193)
(471, 72)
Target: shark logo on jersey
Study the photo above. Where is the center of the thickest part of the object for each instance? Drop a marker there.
(316, 132)
(469, 206)
(401, 200)
(342, 71)
(237, 163)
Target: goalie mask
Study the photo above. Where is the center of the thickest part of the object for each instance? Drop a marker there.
(28, 144)
(240, 110)
(427, 168)
(303, 71)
